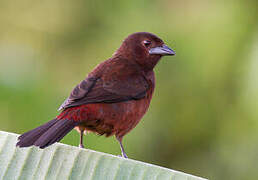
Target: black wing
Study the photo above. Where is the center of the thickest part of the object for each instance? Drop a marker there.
(111, 87)
(80, 91)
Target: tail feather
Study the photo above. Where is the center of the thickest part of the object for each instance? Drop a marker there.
(38, 131)
(55, 133)
(47, 134)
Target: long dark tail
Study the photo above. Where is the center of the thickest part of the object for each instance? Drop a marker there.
(46, 134)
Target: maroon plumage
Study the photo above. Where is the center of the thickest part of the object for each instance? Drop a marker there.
(113, 97)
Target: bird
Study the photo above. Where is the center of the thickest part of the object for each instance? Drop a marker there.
(112, 99)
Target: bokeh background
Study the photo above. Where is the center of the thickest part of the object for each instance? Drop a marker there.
(203, 118)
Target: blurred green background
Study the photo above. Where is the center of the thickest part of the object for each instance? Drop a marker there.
(203, 118)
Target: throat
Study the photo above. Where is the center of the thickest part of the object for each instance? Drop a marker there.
(149, 64)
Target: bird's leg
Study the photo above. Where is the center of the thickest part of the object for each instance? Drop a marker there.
(122, 148)
(81, 139)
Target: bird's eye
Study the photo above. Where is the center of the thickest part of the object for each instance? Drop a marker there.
(146, 43)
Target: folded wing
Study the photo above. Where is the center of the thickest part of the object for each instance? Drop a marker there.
(106, 85)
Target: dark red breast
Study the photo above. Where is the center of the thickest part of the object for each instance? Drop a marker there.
(111, 118)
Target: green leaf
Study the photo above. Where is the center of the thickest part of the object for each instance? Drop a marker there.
(61, 161)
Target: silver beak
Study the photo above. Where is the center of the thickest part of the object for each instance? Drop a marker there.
(162, 50)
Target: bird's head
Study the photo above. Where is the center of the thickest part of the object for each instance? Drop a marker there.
(144, 48)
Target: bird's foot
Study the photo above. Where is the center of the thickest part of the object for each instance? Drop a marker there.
(81, 146)
(124, 155)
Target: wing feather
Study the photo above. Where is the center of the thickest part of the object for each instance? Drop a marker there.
(122, 82)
